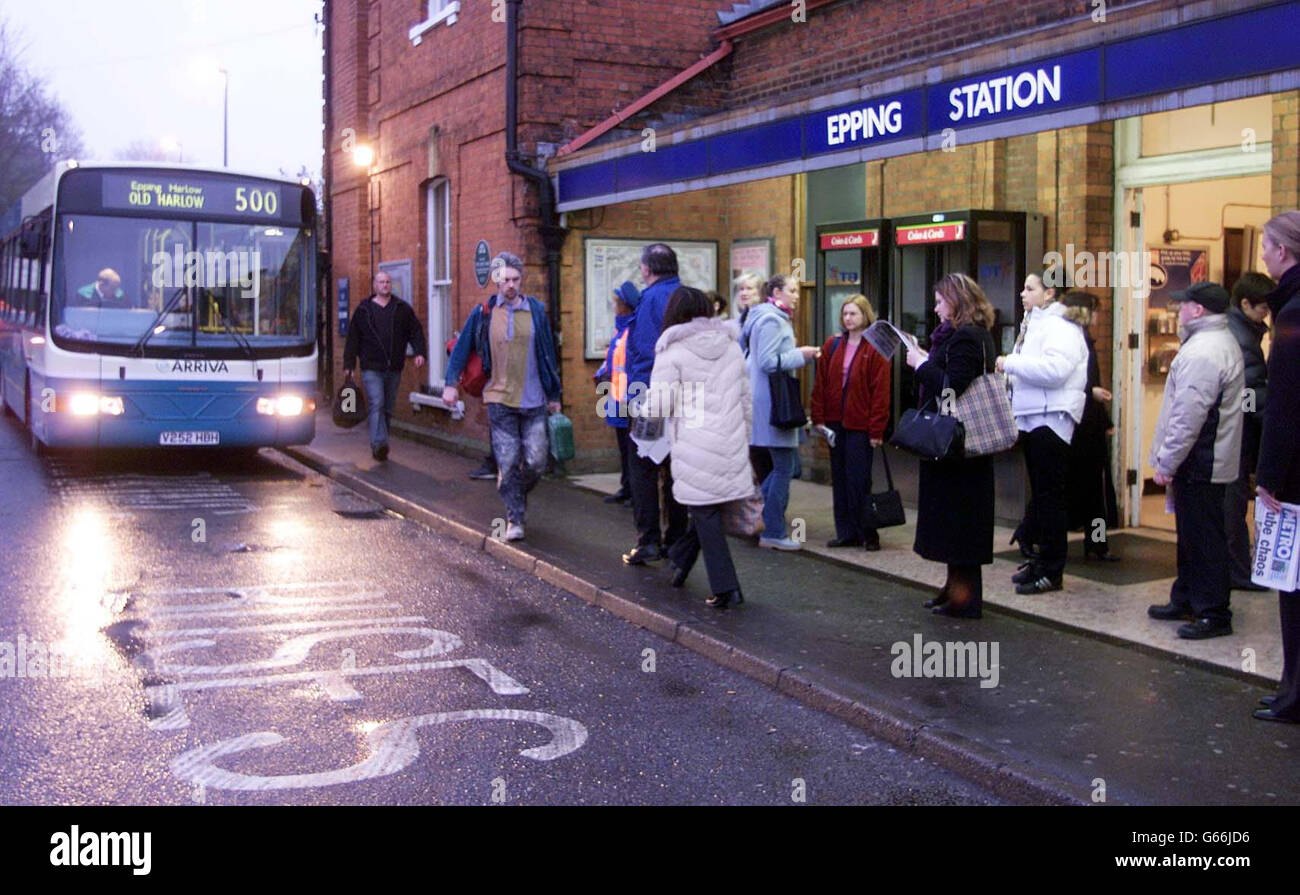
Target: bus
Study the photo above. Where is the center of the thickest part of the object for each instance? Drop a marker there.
(159, 305)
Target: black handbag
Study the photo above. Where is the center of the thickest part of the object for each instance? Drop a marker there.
(929, 434)
(885, 508)
(350, 407)
(787, 407)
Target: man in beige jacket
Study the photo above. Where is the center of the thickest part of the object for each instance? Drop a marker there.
(1196, 451)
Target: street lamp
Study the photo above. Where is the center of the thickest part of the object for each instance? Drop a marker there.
(170, 144)
(225, 119)
(364, 157)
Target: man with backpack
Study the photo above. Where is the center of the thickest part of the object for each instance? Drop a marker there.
(511, 336)
(381, 328)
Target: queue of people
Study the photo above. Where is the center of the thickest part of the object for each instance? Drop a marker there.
(723, 389)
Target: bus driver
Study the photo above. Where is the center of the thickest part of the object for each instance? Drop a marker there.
(107, 289)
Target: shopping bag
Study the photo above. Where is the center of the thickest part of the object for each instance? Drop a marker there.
(350, 407)
(743, 518)
(560, 429)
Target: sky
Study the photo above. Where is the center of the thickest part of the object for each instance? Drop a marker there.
(130, 70)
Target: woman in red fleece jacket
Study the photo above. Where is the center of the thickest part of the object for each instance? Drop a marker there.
(851, 397)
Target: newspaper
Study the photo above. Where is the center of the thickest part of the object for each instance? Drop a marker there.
(886, 338)
(1277, 542)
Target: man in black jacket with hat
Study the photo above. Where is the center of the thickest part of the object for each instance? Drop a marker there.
(381, 328)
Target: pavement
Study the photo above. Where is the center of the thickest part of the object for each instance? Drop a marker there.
(1077, 697)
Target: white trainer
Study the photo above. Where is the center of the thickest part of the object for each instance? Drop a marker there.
(514, 532)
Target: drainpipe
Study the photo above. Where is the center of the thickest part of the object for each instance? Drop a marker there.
(328, 313)
(552, 234)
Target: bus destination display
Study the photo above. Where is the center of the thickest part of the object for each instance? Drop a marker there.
(150, 191)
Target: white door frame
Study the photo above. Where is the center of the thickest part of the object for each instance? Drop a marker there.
(1132, 173)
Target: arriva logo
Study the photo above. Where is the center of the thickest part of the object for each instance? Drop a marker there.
(194, 366)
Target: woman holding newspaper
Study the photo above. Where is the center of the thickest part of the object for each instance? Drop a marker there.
(954, 512)
(1048, 372)
(1277, 475)
(850, 398)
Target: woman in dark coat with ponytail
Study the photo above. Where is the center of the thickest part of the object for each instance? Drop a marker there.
(954, 516)
(1277, 476)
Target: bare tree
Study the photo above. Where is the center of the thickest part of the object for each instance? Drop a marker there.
(35, 129)
(144, 151)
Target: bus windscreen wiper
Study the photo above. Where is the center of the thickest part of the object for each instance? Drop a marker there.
(149, 333)
(238, 337)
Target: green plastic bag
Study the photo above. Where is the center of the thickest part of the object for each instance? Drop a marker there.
(561, 432)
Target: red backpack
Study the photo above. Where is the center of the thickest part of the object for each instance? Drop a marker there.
(472, 378)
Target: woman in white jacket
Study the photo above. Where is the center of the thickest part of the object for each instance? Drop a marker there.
(1048, 372)
(699, 383)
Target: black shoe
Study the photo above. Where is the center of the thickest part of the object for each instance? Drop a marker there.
(485, 472)
(952, 611)
(679, 574)
(1026, 573)
(1267, 701)
(1205, 628)
(1249, 585)
(1104, 555)
(617, 497)
(380, 453)
(1270, 715)
(1040, 585)
(873, 545)
(847, 542)
(937, 600)
(724, 599)
(1171, 613)
(639, 556)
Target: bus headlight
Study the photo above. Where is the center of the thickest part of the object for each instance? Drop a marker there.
(88, 404)
(84, 404)
(285, 405)
(289, 405)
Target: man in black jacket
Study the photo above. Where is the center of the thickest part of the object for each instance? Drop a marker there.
(381, 328)
(1246, 317)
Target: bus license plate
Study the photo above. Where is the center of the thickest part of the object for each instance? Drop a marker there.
(189, 438)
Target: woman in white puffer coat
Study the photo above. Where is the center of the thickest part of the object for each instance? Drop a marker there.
(700, 384)
(1048, 372)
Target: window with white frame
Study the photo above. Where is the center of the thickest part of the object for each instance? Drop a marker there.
(435, 12)
(438, 240)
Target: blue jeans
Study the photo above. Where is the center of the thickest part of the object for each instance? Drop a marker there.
(520, 444)
(776, 491)
(381, 395)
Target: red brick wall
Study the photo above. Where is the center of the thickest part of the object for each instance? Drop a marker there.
(579, 61)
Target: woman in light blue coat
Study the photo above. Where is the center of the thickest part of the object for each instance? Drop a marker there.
(768, 339)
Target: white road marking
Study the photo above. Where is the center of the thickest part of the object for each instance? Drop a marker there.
(393, 747)
(294, 651)
(165, 700)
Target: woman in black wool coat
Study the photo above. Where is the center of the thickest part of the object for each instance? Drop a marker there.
(954, 515)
